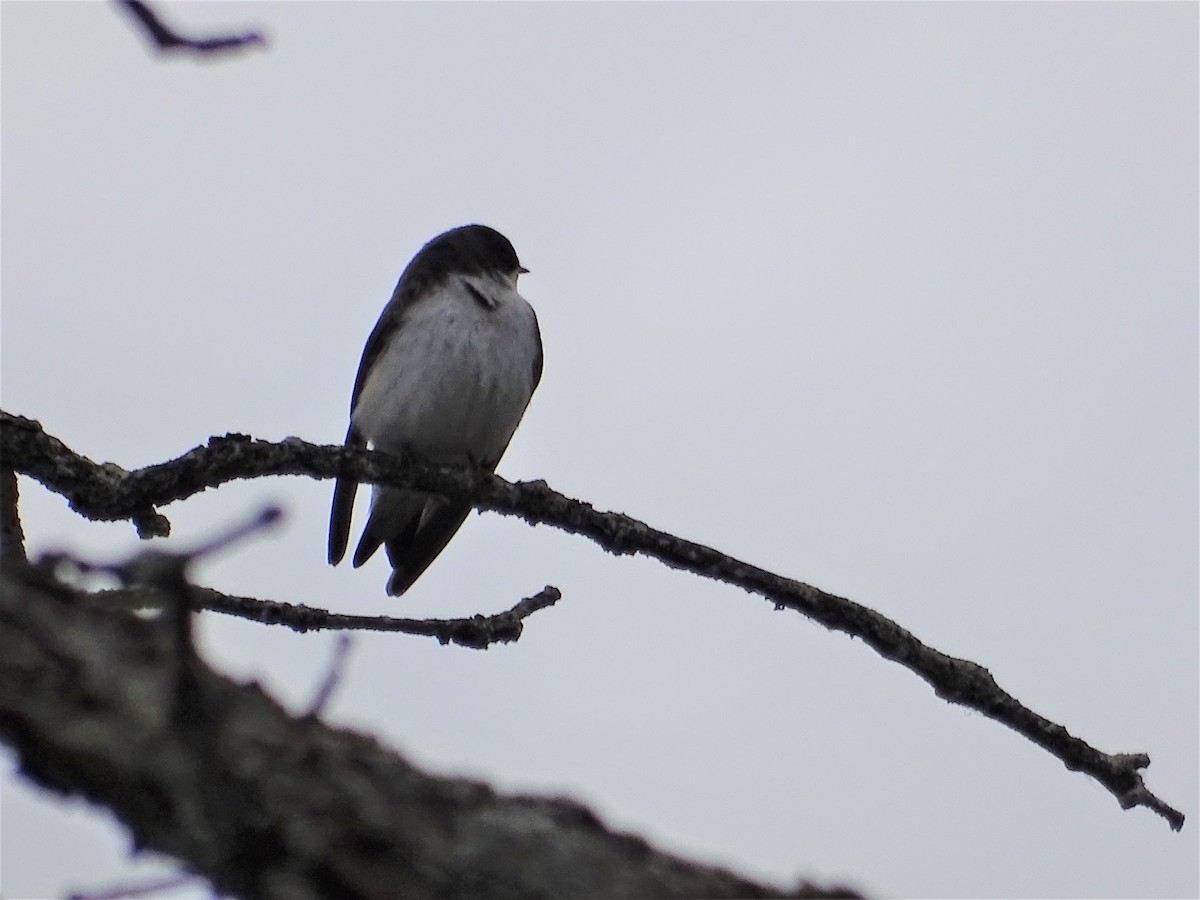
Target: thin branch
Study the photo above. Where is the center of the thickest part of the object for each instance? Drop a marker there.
(333, 677)
(477, 632)
(167, 39)
(109, 493)
(141, 889)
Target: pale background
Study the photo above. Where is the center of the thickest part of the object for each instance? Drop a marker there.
(900, 300)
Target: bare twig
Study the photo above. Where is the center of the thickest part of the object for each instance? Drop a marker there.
(142, 889)
(476, 632)
(267, 517)
(167, 39)
(333, 677)
(100, 494)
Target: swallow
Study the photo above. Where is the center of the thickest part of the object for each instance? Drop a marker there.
(447, 372)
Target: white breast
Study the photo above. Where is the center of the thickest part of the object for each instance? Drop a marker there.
(456, 377)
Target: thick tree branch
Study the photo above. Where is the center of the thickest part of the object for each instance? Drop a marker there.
(166, 38)
(107, 492)
(12, 535)
(268, 805)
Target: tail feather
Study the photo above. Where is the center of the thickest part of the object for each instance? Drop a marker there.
(412, 553)
(395, 516)
(343, 507)
(413, 527)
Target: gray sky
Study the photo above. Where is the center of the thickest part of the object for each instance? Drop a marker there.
(900, 300)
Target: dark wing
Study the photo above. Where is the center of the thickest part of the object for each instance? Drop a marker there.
(537, 364)
(343, 507)
(389, 320)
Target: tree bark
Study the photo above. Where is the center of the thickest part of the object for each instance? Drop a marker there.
(101, 703)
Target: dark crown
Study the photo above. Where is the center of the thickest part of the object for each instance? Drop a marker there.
(469, 249)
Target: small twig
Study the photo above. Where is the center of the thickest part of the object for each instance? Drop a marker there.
(265, 518)
(145, 889)
(478, 632)
(337, 668)
(166, 38)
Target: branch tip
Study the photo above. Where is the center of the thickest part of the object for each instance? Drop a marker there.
(264, 519)
(333, 677)
(167, 39)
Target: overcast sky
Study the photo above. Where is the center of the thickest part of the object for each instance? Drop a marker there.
(899, 300)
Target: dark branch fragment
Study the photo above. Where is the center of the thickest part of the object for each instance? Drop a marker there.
(142, 889)
(168, 39)
(337, 668)
(12, 535)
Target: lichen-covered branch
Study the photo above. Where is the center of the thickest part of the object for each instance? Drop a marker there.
(108, 492)
(477, 632)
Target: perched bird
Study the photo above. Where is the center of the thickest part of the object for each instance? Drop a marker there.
(447, 371)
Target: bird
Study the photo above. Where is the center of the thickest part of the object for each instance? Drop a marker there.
(447, 372)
